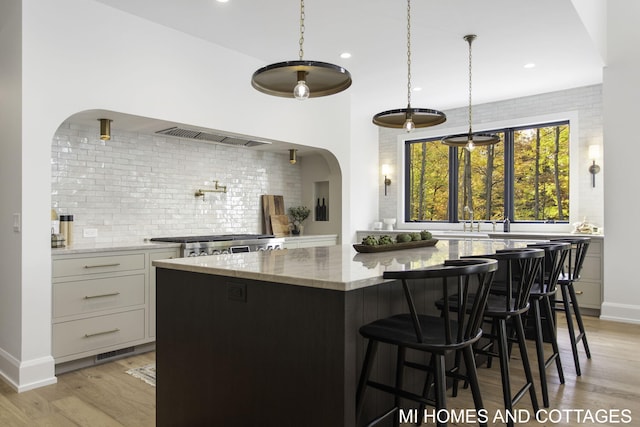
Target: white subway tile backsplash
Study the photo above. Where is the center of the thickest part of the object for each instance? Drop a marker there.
(139, 185)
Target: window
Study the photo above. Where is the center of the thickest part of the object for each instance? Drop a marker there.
(525, 177)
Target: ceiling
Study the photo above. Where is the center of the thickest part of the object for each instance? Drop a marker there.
(511, 33)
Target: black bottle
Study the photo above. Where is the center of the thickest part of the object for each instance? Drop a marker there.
(323, 211)
(507, 225)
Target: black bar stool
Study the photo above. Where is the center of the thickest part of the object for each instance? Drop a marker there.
(506, 305)
(543, 290)
(438, 335)
(579, 247)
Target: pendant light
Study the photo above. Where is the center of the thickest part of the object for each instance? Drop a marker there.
(409, 118)
(470, 140)
(301, 79)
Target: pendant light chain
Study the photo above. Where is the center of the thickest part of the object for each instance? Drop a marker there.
(301, 42)
(408, 52)
(409, 118)
(470, 40)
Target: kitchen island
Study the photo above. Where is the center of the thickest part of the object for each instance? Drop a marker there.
(271, 338)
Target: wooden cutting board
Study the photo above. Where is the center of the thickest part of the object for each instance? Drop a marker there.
(280, 225)
(271, 205)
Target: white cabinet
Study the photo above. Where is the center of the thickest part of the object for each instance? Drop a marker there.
(589, 287)
(310, 241)
(152, 286)
(103, 301)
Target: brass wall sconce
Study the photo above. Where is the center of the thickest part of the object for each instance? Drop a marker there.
(105, 129)
(386, 170)
(216, 189)
(594, 154)
(293, 156)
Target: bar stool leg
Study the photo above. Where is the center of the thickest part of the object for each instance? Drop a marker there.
(576, 310)
(402, 351)
(441, 385)
(535, 302)
(472, 375)
(554, 338)
(364, 376)
(566, 303)
(503, 356)
(525, 363)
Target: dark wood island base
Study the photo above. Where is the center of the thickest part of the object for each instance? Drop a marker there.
(234, 352)
(270, 339)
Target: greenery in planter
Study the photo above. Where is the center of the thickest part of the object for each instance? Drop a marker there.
(298, 214)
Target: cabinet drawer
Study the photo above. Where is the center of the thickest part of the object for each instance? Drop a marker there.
(91, 295)
(588, 294)
(97, 332)
(99, 264)
(591, 269)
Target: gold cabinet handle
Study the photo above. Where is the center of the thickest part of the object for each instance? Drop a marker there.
(102, 265)
(113, 294)
(579, 292)
(102, 333)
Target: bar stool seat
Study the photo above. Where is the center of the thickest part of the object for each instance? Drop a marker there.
(438, 336)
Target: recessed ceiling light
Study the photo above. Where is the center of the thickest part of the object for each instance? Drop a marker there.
(345, 55)
(222, 1)
(530, 65)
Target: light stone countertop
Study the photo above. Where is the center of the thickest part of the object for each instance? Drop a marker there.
(144, 244)
(132, 245)
(337, 267)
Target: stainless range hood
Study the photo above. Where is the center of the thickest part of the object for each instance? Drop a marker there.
(211, 137)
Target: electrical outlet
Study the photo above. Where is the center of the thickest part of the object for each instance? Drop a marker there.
(237, 292)
(90, 232)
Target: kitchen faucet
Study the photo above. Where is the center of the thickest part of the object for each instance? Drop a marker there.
(464, 223)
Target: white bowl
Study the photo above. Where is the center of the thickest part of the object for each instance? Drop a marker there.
(390, 222)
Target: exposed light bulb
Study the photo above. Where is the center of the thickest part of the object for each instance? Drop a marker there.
(470, 145)
(301, 91)
(409, 125)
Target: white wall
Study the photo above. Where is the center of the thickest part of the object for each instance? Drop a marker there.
(11, 320)
(80, 55)
(621, 151)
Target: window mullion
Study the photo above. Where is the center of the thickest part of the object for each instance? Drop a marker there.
(509, 172)
(453, 185)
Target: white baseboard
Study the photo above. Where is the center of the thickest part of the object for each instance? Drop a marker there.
(625, 313)
(27, 375)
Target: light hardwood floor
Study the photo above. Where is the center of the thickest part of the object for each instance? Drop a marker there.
(105, 395)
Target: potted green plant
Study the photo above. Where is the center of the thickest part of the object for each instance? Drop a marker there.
(297, 215)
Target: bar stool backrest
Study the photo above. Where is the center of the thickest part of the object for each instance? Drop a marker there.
(519, 269)
(575, 260)
(472, 276)
(555, 255)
